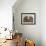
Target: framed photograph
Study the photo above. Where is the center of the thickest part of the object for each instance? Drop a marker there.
(28, 18)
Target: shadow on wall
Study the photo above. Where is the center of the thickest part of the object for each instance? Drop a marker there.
(17, 4)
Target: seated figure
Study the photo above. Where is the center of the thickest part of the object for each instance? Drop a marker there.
(29, 43)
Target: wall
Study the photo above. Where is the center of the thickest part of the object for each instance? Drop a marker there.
(6, 13)
(43, 22)
(29, 31)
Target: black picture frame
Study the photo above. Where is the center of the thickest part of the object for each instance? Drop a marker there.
(28, 18)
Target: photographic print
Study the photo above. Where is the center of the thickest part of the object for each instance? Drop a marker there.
(28, 18)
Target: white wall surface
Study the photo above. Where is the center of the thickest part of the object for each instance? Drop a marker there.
(30, 31)
(6, 13)
(43, 22)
